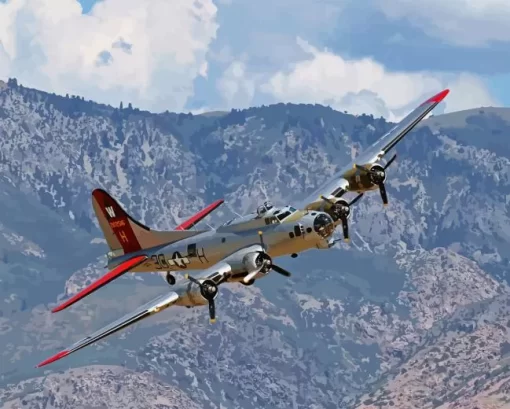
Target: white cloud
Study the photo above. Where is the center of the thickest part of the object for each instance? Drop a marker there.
(461, 22)
(468, 91)
(236, 86)
(147, 52)
(364, 86)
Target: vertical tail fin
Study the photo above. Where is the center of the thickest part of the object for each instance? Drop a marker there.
(126, 235)
(120, 230)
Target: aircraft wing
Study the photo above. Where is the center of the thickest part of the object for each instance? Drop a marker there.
(215, 274)
(152, 307)
(338, 184)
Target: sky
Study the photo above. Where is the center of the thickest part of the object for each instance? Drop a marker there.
(380, 57)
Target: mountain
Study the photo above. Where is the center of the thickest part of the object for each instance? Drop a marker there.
(413, 313)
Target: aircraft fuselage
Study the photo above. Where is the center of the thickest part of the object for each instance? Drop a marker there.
(205, 249)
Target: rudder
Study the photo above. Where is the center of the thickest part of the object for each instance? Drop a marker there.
(119, 229)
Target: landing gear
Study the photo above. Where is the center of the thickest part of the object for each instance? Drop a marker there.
(170, 279)
(293, 255)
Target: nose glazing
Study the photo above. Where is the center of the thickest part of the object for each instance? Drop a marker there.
(323, 225)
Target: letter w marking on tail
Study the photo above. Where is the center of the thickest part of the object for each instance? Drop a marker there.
(110, 211)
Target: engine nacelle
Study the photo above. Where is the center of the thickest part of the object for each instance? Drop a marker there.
(245, 260)
(377, 174)
(199, 295)
(344, 207)
(340, 210)
(257, 262)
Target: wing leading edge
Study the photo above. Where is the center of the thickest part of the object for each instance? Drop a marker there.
(338, 184)
(152, 307)
(101, 282)
(384, 144)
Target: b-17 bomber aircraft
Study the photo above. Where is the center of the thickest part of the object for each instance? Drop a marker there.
(241, 250)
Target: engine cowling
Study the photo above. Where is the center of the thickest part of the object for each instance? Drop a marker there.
(257, 262)
(377, 174)
(340, 210)
(202, 294)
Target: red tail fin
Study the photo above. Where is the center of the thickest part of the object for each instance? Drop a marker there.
(118, 227)
(122, 232)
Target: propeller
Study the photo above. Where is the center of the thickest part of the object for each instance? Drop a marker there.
(209, 291)
(264, 260)
(342, 211)
(378, 176)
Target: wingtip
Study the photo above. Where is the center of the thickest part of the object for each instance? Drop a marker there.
(62, 306)
(438, 97)
(54, 358)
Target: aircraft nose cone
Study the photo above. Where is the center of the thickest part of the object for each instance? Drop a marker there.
(323, 225)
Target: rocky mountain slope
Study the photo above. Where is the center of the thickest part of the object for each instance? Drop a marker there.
(413, 313)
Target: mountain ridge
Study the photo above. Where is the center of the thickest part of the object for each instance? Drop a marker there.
(430, 269)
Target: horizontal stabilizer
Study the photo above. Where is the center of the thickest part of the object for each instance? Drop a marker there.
(202, 214)
(108, 277)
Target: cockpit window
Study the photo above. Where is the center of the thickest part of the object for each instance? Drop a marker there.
(283, 215)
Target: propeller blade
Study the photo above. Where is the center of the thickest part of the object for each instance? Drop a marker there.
(193, 280)
(327, 200)
(262, 240)
(390, 161)
(212, 312)
(384, 196)
(356, 199)
(250, 276)
(345, 228)
(281, 271)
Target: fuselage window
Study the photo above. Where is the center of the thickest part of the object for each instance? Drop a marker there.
(192, 250)
(291, 235)
(223, 239)
(271, 220)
